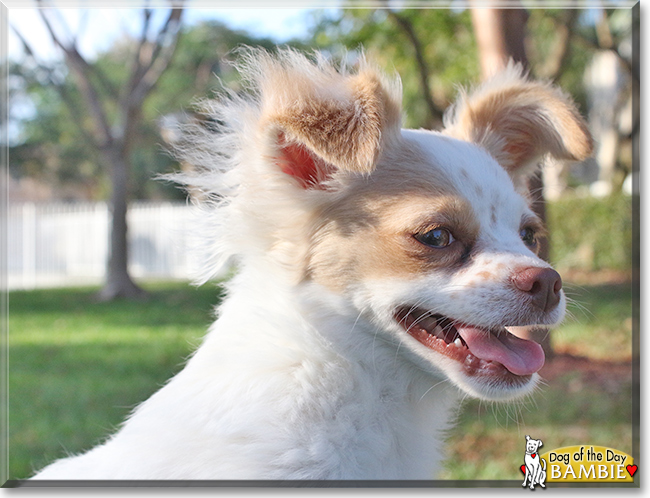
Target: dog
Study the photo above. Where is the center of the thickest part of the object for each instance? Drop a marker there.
(535, 469)
(383, 274)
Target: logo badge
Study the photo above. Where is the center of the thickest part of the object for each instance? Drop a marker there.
(534, 467)
(583, 463)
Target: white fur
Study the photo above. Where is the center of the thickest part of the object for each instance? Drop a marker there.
(301, 378)
(268, 396)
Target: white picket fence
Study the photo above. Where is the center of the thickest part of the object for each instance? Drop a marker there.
(51, 245)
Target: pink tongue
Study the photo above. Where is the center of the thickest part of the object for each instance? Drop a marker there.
(519, 356)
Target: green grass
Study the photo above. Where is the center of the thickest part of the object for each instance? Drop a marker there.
(77, 368)
(488, 441)
(591, 233)
(598, 323)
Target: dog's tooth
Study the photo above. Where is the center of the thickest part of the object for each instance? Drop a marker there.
(458, 342)
(472, 361)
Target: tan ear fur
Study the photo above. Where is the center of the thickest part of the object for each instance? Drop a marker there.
(519, 121)
(342, 118)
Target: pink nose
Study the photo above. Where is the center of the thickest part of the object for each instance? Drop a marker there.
(543, 284)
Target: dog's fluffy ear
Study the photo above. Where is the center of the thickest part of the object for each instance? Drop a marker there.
(320, 119)
(519, 121)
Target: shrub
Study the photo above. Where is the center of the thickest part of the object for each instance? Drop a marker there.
(591, 233)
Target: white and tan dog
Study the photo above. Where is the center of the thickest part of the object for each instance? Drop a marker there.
(535, 468)
(382, 275)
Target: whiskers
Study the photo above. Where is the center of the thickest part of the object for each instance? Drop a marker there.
(443, 381)
(572, 293)
(508, 414)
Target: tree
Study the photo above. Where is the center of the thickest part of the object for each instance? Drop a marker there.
(114, 115)
(435, 113)
(433, 50)
(52, 146)
(57, 143)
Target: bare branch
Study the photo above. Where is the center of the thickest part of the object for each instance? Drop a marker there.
(604, 41)
(70, 101)
(146, 22)
(145, 78)
(555, 64)
(138, 63)
(405, 24)
(71, 50)
(81, 70)
(60, 20)
(149, 62)
(161, 52)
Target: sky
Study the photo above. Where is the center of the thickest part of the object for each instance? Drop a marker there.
(100, 27)
(97, 29)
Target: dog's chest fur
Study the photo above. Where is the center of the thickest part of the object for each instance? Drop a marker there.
(334, 401)
(300, 394)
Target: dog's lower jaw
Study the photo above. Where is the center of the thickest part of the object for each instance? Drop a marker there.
(296, 387)
(505, 370)
(484, 387)
(476, 378)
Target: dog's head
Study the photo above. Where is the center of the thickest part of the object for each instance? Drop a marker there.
(429, 235)
(532, 445)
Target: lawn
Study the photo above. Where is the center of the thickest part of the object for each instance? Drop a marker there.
(77, 367)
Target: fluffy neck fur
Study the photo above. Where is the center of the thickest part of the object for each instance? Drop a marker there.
(287, 385)
(327, 397)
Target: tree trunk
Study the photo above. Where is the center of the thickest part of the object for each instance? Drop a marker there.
(118, 281)
(500, 37)
(113, 140)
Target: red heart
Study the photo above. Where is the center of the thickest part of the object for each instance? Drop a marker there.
(534, 455)
(523, 468)
(631, 469)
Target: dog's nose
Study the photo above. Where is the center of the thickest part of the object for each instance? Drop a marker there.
(543, 284)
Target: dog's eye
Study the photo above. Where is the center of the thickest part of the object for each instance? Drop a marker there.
(438, 237)
(528, 236)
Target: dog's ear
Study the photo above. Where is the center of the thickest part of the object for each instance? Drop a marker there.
(519, 121)
(321, 120)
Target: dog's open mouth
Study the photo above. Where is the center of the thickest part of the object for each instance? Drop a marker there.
(480, 350)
